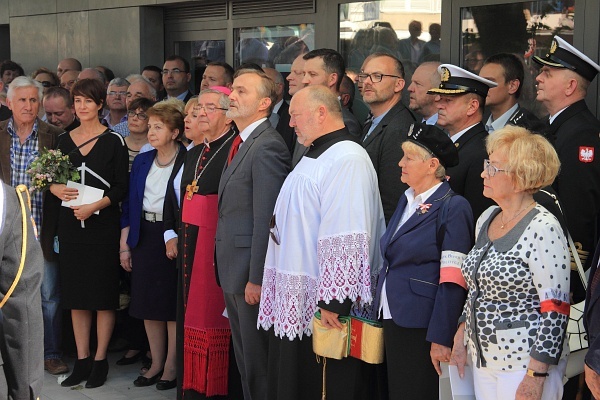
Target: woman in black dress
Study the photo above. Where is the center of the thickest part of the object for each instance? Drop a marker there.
(143, 251)
(89, 234)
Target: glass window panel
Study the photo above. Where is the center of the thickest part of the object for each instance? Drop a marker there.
(383, 26)
(199, 53)
(526, 29)
(273, 46)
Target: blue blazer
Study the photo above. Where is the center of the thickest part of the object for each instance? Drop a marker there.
(411, 266)
(132, 206)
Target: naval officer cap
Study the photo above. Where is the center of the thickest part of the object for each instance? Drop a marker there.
(435, 141)
(455, 80)
(564, 55)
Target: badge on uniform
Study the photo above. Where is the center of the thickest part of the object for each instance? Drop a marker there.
(586, 154)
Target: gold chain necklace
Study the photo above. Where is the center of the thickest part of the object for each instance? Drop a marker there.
(516, 215)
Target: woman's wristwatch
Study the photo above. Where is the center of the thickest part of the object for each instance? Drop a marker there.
(534, 374)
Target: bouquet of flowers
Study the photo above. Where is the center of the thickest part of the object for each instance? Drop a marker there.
(51, 166)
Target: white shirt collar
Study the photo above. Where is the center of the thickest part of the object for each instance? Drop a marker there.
(502, 120)
(245, 134)
(432, 120)
(459, 134)
(277, 106)
(553, 117)
(412, 202)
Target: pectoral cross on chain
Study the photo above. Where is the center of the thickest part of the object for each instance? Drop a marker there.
(191, 189)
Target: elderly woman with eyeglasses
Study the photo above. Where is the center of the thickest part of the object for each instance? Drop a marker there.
(137, 123)
(143, 251)
(517, 277)
(421, 290)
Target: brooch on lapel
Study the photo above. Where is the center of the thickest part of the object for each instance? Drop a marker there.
(423, 208)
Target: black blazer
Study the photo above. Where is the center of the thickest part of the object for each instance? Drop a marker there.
(465, 178)
(577, 142)
(384, 148)
(172, 208)
(283, 126)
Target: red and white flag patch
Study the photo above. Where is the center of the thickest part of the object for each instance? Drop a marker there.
(586, 154)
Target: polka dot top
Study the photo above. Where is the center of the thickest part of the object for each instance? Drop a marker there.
(518, 292)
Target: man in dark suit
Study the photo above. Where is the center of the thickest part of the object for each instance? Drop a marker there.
(460, 100)
(502, 101)
(562, 86)
(176, 78)
(258, 163)
(382, 78)
(280, 116)
(25, 136)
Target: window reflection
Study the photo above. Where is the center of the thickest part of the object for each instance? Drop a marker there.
(409, 30)
(526, 29)
(273, 46)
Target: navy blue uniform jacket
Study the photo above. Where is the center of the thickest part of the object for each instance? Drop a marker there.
(412, 266)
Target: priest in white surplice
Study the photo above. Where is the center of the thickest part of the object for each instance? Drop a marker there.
(322, 254)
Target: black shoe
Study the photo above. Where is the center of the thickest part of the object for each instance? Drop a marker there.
(98, 374)
(130, 360)
(81, 371)
(142, 381)
(166, 385)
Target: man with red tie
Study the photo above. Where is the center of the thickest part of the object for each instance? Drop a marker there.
(257, 165)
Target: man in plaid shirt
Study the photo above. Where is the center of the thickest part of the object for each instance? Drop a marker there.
(22, 137)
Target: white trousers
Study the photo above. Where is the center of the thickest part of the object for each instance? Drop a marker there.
(502, 385)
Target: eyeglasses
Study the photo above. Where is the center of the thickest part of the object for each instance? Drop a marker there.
(46, 83)
(273, 231)
(173, 71)
(375, 78)
(209, 108)
(111, 93)
(142, 116)
(491, 169)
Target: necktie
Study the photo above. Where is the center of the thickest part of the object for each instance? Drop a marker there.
(235, 146)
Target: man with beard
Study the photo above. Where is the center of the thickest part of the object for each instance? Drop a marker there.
(382, 79)
(257, 165)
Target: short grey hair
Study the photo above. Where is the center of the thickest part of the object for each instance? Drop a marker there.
(23, 82)
(223, 98)
(144, 80)
(133, 78)
(119, 82)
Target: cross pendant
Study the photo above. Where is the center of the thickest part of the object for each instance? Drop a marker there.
(191, 189)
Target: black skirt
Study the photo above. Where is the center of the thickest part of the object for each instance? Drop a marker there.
(153, 276)
(89, 276)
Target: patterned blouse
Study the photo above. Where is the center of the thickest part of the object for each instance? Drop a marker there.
(518, 293)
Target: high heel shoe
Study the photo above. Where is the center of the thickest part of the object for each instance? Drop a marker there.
(98, 374)
(142, 381)
(81, 371)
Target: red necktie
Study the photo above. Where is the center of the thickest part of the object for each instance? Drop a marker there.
(235, 146)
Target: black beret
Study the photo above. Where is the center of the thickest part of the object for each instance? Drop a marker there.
(435, 141)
